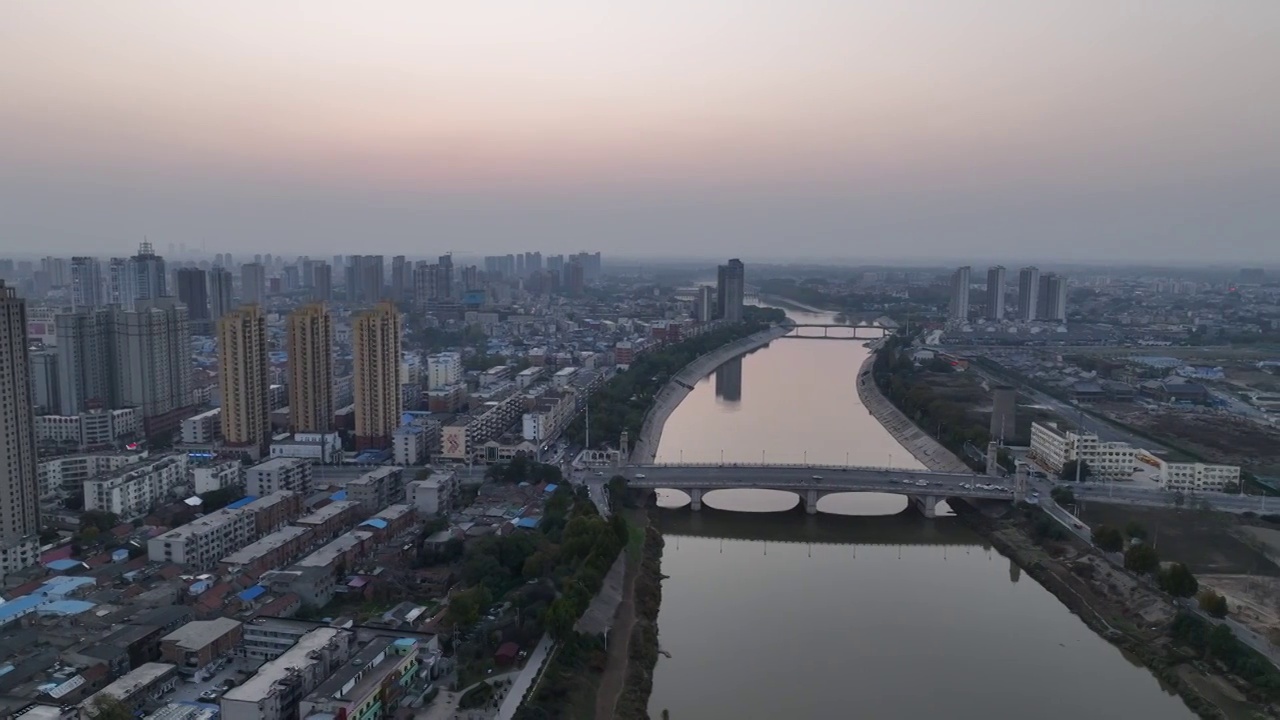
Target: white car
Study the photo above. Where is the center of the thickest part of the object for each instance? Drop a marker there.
(639, 476)
(817, 477)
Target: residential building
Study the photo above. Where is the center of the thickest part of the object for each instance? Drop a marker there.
(1052, 301)
(193, 291)
(309, 333)
(19, 487)
(87, 284)
(433, 495)
(1054, 448)
(65, 476)
(322, 283)
(140, 688)
(995, 292)
(409, 445)
(152, 355)
(332, 520)
(377, 488)
(376, 352)
(131, 491)
(203, 429)
(369, 687)
(400, 279)
(1028, 293)
(253, 284)
(147, 277)
(444, 370)
(89, 430)
(551, 413)
(730, 289)
(202, 542)
(243, 380)
(276, 474)
(86, 364)
(268, 553)
(704, 304)
(277, 689)
(221, 294)
(323, 448)
(959, 307)
(216, 476)
(44, 381)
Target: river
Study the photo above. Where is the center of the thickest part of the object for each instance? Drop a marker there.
(866, 610)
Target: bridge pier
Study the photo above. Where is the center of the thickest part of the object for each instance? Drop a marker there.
(810, 501)
(926, 504)
(993, 459)
(695, 499)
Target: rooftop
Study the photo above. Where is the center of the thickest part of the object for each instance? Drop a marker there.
(368, 668)
(199, 633)
(327, 554)
(328, 512)
(260, 686)
(255, 550)
(277, 464)
(137, 679)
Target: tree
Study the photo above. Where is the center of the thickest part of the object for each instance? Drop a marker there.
(109, 708)
(560, 619)
(1141, 559)
(1212, 603)
(1135, 530)
(1070, 467)
(1108, 539)
(1178, 581)
(465, 606)
(1063, 495)
(1222, 644)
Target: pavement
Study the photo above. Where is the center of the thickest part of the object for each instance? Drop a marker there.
(525, 679)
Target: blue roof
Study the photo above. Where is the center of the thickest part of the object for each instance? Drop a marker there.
(340, 495)
(550, 488)
(373, 456)
(65, 607)
(241, 502)
(252, 593)
(529, 522)
(66, 563)
(376, 522)
(405, 642)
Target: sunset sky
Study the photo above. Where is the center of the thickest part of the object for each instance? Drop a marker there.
(943, 129)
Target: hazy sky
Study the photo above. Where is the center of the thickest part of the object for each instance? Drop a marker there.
(1046, 129)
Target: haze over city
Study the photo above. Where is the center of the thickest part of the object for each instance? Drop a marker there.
(803, 130)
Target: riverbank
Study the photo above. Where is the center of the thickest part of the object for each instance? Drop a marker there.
(1121, 611)
(643, 648)
(926, 450)
(677, 388)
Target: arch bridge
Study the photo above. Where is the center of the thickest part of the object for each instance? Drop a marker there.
(860, 332)
(813, 482)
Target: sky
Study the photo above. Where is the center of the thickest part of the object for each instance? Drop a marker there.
(1071, 130)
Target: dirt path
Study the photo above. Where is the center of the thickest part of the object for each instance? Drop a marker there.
(614, 678)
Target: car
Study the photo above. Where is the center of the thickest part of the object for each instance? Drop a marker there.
(817, 477)
(599, 474)
(639, 476)
(209, 696)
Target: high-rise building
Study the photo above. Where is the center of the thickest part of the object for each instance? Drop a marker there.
(117, 284)
(86, 361)
(704, 304)
(152, 357)
(1052, 301)
(444, 277)
(19, 487)
(147, 277)
(959, 308)
(309, 337)
(400, 279)
(995, 292)
(730, 287)
(470, 278)
(253, 284)
(193, 291)
(44, 380)
(574, 278)
(243, 380)
(424, 283)
(444, 370)
(1028, 293)
(375, 346)
(87, 285)
(220, 293)
(322, 282)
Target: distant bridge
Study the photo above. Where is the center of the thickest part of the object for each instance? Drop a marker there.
(813, 482)
(872, 332)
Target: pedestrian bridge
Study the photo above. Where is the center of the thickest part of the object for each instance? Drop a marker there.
(813, 482)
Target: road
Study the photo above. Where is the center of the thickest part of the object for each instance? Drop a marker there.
(820, 478)
(527, 675)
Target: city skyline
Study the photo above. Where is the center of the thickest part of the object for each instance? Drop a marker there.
(1050, 132)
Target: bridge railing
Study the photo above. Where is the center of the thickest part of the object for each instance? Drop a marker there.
(795, 466)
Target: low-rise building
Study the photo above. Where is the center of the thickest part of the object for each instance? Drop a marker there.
(433, 495)
(131, 491)
(94, 429)
(65, 476)
(279, 686)
(324, 448)
(409, 445)
(199, 643)
(377, 488)
(203, 429)
(340, 556)
(216, 476)
(1198, 477)
(202, 542)
(144, 685)
(276, 474)
(1055, 448)
(273, 551)
(370, 686)
(331, 520)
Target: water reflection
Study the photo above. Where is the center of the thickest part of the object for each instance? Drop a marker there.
(729, 381)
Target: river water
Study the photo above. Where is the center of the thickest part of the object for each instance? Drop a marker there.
(866, 610)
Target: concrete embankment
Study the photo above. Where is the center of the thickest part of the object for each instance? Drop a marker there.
(921, 445)
(669, 397)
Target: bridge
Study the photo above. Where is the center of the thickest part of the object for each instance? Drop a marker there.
(813, 482)
(872, 332)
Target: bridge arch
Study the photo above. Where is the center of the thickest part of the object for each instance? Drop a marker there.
(788, 499)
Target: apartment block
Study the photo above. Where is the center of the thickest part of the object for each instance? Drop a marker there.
(216, 476)
(331, 520)
(1198, 477)
(203, 429)
(200, 642)
(65, 476)
(377, 489)
(275, 691)
(273, 551)
(204, 541)
(132, 490)
(277, 474)
(370, 686)
(1055, 448)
